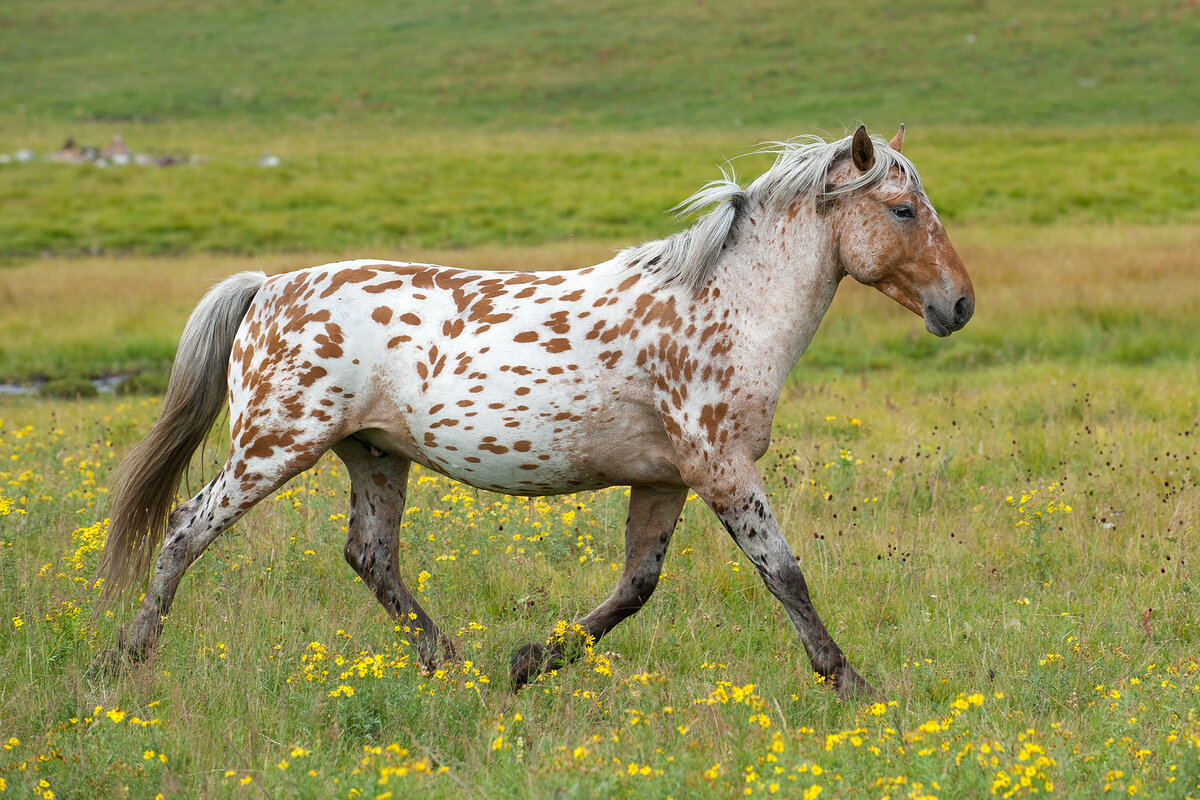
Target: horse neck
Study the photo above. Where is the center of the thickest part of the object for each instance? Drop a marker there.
(778, 274)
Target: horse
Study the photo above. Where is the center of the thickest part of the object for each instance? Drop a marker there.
(659, 370)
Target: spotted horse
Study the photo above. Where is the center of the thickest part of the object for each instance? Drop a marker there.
(659, 370)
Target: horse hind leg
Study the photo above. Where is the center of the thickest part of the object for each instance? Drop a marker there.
(648, 529)
(378, 485)
(191, 528)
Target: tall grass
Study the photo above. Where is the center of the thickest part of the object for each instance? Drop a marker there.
(1005, 551)
(1095, 296)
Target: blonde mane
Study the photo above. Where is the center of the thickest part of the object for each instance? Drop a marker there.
(801, 169)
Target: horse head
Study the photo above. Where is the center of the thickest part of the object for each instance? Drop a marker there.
(890, 237)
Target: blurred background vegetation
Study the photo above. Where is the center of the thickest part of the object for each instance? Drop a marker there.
(1060, 135)
(429, 124)
(685, 64)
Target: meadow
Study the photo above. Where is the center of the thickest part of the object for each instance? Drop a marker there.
(999, 528)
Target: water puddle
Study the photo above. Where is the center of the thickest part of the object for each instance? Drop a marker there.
(106, 385)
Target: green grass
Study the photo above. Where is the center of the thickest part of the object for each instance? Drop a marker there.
(1067, 644)
(370, 189)
(616, 65)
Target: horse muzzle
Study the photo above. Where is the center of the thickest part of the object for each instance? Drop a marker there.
(944, 320)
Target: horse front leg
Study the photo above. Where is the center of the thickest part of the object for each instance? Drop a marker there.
(648, 529)
(738, 499)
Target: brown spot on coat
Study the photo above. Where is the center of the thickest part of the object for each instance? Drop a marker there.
(311, 377)
(330, 342)
(711, 417)
(558, 322)
(345, 276)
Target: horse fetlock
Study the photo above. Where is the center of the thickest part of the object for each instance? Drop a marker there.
(828, 660)
(850, 685)
(127, 652)
(139, 637)
(110, 662)
(435, 651)
(447, 649)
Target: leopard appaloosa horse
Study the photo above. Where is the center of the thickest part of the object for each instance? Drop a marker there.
(659, 370)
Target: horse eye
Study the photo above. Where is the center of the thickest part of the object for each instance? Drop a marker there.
(904, 212)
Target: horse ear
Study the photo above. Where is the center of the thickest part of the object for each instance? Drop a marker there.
(898, 140)
(862, 151)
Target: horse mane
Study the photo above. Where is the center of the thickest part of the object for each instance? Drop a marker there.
(801, 169)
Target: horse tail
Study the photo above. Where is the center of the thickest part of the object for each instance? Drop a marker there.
(145, 483)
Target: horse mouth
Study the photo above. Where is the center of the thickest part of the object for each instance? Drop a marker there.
(943, 323)
(935, 324)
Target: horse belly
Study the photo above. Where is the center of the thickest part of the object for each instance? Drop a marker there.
(517, 445)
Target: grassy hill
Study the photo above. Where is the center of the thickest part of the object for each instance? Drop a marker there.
(609, 64)
(453, 125)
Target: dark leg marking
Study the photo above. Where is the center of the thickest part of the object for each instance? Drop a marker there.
(753, 527)
(648, 529)
(378, 485)
(191, 528)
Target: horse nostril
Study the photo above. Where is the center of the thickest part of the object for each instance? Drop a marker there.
(963, 310)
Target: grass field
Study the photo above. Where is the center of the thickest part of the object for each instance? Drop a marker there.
(999, 528)
(390, 193)
(1006, 551)
(615, 65)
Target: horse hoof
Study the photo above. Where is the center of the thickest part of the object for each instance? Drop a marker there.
(526, 662)
(436, 654)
